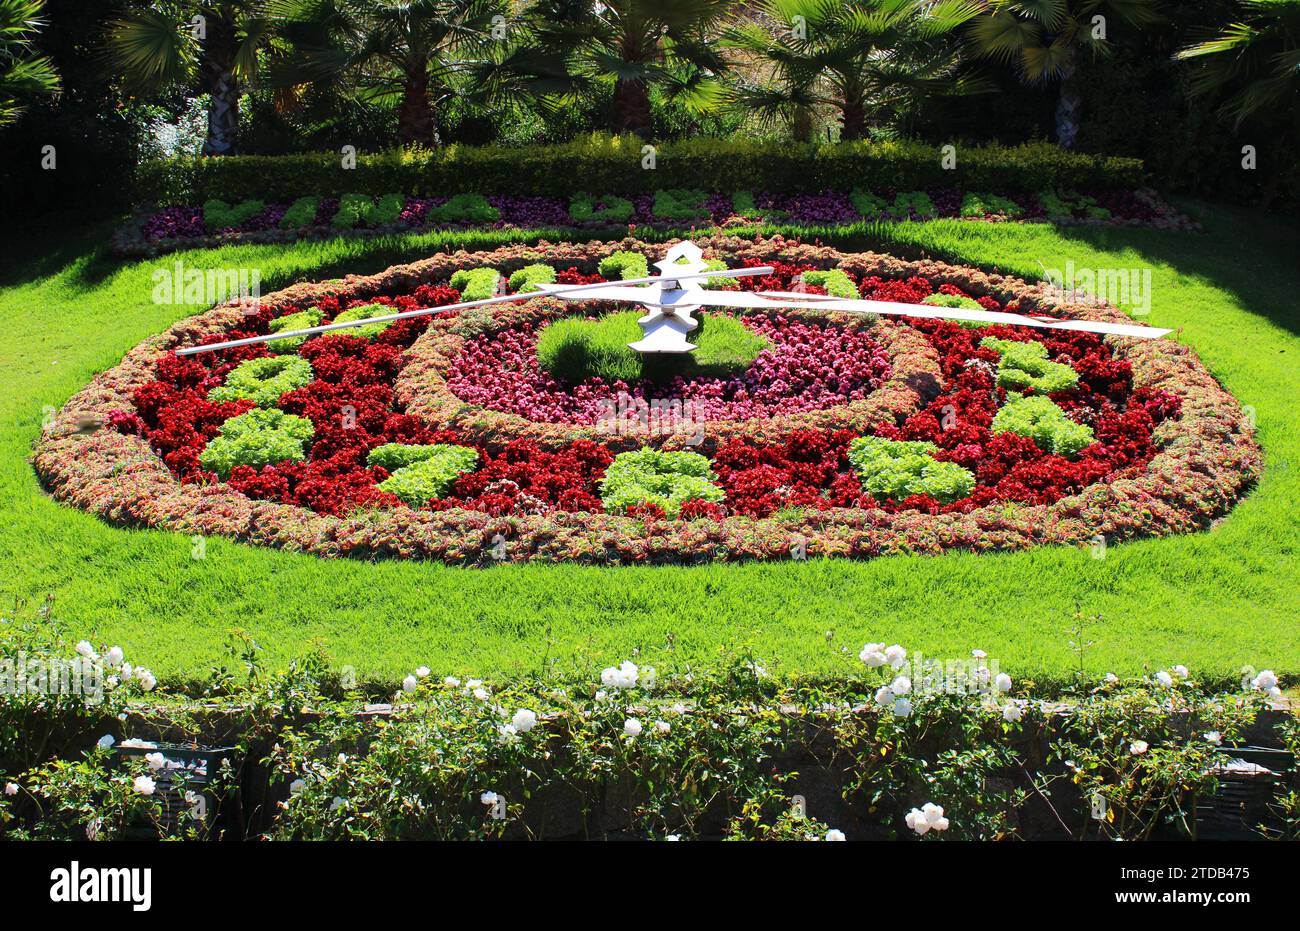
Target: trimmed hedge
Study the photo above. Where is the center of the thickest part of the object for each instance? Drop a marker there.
(613, 165)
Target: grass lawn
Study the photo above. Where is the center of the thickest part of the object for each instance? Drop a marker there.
(1214, 601)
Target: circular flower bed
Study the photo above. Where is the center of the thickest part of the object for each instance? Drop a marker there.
(442, 437)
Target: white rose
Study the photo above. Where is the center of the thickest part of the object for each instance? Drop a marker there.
(144, 785)
(524, 720)
(873, 654)
(632, 728)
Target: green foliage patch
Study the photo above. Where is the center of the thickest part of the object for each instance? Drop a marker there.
(261, 437)
(528, 277)
(898, 469)
(301, 320)
(219, 215)
(263, 380)
(421, 473)
(652, 476)
(476, 284)
(1044, 422)
(611, 209)
(680, 204)
(624, 265)
(835, 281)
(465, 208)
(300, 213)
(366, 330)
(1025, 365)
(976, 204)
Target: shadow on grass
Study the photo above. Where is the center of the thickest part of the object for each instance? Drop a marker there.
(1248, 254)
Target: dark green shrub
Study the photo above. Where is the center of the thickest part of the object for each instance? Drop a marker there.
(263, 436)
(219, 215)
(300, 213)
(610, 209)
(263, 380)
(612, 165)
(651, 476)
(680, 204)
(1038, 418)
(897, 469)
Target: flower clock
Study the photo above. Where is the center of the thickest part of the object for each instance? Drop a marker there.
(534, 429)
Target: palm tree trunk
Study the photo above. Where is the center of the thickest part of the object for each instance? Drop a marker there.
(415, 123)
(853, 120)
(223, 88)
(632, 108)
(1069, 107)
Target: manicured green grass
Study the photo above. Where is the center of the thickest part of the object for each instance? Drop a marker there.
(1214, 601)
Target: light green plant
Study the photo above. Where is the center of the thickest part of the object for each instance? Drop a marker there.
(476, 284)
(421, 472)
(1025, 365)
(898, 468)
(528, 277)
(263, 380)
(1041, 420)
(260, 437)
(302, 320)
(651, 476)
(366, 330)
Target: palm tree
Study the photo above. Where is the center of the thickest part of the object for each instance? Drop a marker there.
(868, 60)
(211, 45)
(22, 74)
(403, 51)
(1046, 37)
(636, 46)
(1258, 57)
